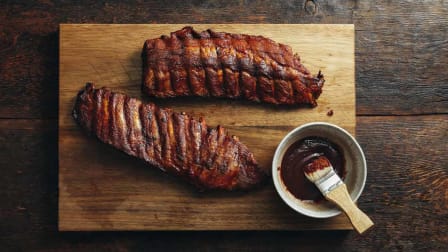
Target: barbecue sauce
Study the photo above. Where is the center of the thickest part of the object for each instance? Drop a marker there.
(298, 155)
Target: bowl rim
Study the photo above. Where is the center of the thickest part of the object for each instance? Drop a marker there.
(277, 183)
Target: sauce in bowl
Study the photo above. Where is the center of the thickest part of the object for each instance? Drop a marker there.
(298, 155)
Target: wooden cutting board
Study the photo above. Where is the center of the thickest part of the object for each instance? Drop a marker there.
(101, 188)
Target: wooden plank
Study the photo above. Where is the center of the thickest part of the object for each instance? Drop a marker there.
(29, 37)
(101, 189)
(407, 207)
(28, 73)
(28, 182)
(401, 57)
(400, 45)
(407, 181)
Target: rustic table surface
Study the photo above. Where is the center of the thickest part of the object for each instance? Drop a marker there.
(402, 121)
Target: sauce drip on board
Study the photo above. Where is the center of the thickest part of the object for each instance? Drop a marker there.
(298, 155)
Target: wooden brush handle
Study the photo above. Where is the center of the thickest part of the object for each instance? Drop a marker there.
(360, 221)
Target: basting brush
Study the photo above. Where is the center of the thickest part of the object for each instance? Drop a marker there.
(321, 173)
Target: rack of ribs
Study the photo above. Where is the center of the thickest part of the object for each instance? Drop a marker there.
(174, 142)
(218, 64)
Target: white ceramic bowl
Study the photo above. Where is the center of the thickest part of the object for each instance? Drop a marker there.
(355, 167)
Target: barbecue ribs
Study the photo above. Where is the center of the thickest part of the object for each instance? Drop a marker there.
(174, 142)
(218, 64)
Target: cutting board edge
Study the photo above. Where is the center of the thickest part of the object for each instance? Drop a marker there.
(61, 225)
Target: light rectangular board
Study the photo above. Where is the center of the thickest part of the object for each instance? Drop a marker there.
(101, 188)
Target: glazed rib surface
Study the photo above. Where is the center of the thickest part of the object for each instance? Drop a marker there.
(174, 142)
(219, 64)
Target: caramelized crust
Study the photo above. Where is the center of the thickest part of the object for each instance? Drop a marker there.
(173, 142)
(218, 64)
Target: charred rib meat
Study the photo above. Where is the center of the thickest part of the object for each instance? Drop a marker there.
(174, 142)
(218, 64)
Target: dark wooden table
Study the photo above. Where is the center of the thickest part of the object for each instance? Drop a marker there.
(402, 116)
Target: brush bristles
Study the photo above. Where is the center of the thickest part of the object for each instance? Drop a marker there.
(318, 174)
(322, 174)
(317, 169)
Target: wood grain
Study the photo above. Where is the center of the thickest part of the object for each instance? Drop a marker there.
(400, 45)
(29, 36)
(101, 189)
(402, 51)
(407, 205)
(408, 217)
